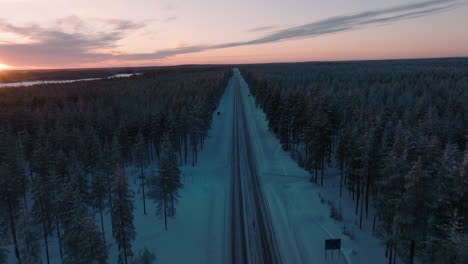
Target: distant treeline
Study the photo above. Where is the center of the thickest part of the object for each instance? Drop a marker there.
(398, 132)
(64, 147)
(8, 76)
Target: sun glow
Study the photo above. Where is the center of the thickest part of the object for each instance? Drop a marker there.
(4, 67)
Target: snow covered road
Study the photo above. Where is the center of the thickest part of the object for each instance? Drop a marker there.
(252, 234)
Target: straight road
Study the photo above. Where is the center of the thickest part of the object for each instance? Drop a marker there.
(252, 234)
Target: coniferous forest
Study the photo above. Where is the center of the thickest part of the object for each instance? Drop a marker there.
(394, 131)
(397, 131)
(64, 148)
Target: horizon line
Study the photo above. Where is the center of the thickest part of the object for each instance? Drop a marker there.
(13, 69)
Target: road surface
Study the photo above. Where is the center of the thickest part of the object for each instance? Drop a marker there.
(252, 235)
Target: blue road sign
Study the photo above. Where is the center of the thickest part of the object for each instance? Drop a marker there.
(332, 244)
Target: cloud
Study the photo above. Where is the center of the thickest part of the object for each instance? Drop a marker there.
(258, 29)
(350, 22)
(169, 19)
(70, 41)
(161, 54)
(325, 26)
(74, 41)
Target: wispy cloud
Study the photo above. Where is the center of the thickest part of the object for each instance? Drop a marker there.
(71, 41)
(259, 29)
(355, 21)
(322, 27)
(171, 18)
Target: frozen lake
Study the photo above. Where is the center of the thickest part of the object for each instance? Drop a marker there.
(30, 83)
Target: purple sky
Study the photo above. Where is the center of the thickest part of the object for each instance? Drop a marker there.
(86, 33)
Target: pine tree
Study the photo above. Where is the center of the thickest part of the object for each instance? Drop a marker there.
(341, 156)
(3, 255)
(98, 196)
(140, 156)
(105, 168)
(82, 242)
(461, 188)
(122, 215)
(29, 237)
(462, 257)
(89, 150)
(164, 187)
(124, 141)
(42, 193)
(444, 210)
(10, 192)
(11, 184)
(410, 216)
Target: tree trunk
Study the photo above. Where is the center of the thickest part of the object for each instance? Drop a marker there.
(390, 259)
(180, 149)
(411, 254)
(59, 240)
(143, 189)
(24, 198)
(185, 148)
(46, 242)
(316, 172)
(322, 169)
(387, 244)
(367, 192)
(362, 203)
(109, 191)
(358, 195)
(102, 224)
(172, 205)
(123, 232)
(373, 225)
(341, 179)
(193, 157)
(148, 154)
(13, 231)
(165, 208)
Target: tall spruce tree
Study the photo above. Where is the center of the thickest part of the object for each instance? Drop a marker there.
(42, 193)
(29, 237)
(82, 242)
(122, 215)
(11, 185)
(141, 157)
(98, 196)
(165, 186)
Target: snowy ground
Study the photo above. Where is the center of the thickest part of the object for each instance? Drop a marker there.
(299, 210)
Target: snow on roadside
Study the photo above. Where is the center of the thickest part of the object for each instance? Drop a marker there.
(299, 209)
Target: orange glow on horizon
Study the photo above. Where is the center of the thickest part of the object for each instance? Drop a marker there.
(4, 67)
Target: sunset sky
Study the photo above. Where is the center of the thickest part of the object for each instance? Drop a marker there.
(101, 33)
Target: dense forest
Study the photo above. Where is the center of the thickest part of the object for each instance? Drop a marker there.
(64, 149)
(397, 130)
